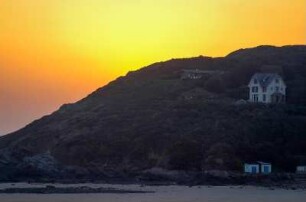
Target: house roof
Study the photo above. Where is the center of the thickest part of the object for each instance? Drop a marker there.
(258, 163)
(263, 163)
(264, 79)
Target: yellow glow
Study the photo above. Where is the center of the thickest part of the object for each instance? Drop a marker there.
(66, 48)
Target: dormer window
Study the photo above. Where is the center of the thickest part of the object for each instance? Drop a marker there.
(277, 88)
(276, 80)
(255, 81)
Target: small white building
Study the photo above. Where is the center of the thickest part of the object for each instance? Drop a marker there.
(267, 88)
(301, 169)
(251, 168)
(258, 167)
(265, 168)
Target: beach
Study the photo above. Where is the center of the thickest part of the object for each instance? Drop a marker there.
(171, 193)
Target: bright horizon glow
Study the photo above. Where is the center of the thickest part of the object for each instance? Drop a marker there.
(58, 51)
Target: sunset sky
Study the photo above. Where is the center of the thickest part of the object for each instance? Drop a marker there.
(58, 51)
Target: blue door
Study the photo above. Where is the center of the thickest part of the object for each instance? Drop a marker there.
(266, 169)
(254, 169)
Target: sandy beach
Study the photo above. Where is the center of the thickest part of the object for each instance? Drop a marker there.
(161, 194)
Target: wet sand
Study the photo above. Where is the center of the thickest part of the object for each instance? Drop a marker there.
(161, 194)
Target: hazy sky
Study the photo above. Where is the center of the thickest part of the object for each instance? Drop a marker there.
(57, 51)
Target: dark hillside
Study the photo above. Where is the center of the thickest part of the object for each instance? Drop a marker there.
(153, 118)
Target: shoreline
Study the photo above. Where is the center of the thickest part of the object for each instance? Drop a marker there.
(50, 189)
(118, 188)
(284, 181)
(175, 193)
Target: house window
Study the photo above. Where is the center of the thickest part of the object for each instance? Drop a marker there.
(255, 81)
(264, 89)
(277, 88)
(255, 97)
(264, 97)
(276, 80)
(255, 89)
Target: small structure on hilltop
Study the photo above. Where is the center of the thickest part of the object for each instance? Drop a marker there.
(198, 74)
(258, 167)
(267, 88)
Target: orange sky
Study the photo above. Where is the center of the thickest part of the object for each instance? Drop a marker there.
(57, 51)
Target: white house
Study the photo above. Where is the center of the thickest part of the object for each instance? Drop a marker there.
(301, 169)
(258, 167)
(267, 88)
